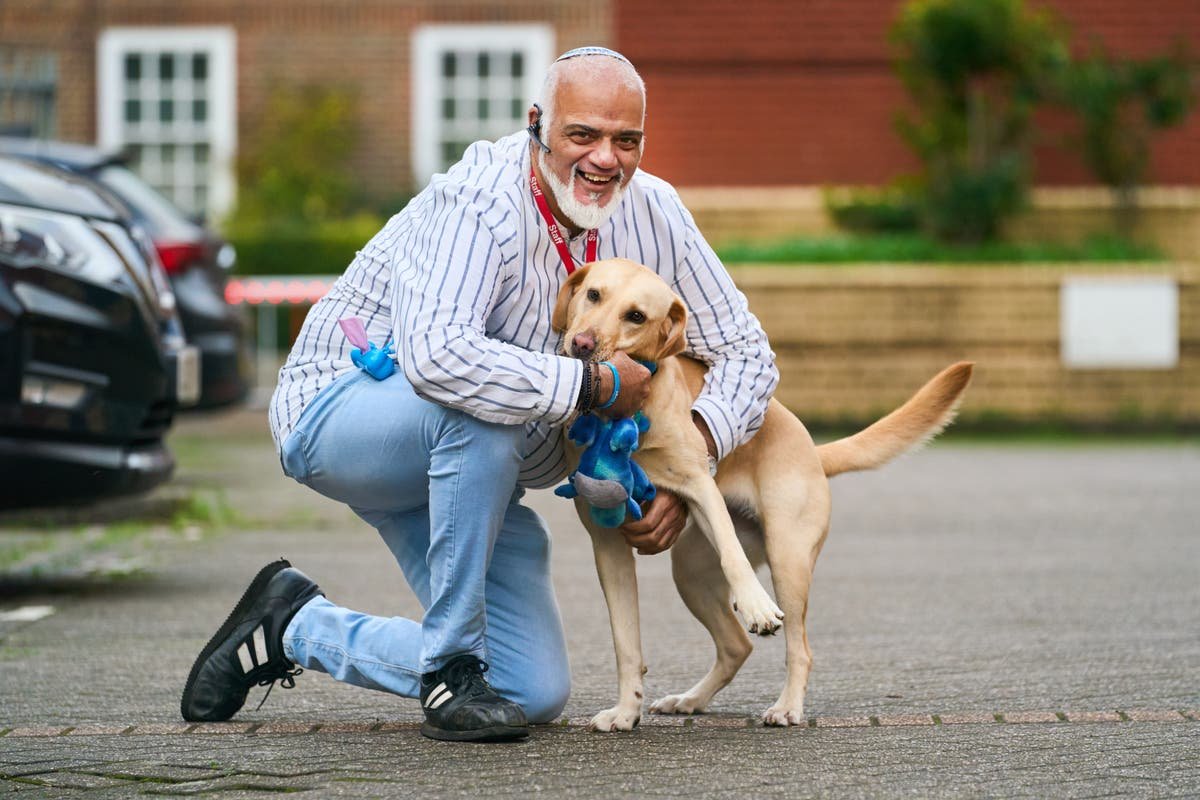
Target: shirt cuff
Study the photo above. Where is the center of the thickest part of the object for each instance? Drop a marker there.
(717, 416)
(562, 391)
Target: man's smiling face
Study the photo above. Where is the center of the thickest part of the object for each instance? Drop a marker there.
(594, 131)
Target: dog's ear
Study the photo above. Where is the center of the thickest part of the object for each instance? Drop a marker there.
(559, 320)
(673, 329)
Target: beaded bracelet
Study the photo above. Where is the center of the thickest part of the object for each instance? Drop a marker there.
(587, 389)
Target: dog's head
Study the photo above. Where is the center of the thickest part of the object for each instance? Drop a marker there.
(614, 305)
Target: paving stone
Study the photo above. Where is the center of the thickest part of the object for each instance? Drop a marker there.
(904, 719)
(52, 730)
(1026, 717)
(346, 727)
(1152, 715)
(160, 728)
(843, 722)
(269, 728)
(221, 728)
(968, 718)
(98, 730)
(1094, 716)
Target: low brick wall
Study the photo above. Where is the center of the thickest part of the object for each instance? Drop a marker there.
(853, 342)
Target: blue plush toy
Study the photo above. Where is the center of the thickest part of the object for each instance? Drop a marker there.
(375, 361)
(607, 477)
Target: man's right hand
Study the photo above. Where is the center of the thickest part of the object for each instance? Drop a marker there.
(635, 386)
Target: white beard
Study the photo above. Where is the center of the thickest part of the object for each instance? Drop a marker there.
(585, 215)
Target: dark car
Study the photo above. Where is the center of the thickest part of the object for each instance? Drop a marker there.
(195, 258)
(93, 361)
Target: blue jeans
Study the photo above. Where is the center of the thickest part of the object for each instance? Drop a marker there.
(441, 488)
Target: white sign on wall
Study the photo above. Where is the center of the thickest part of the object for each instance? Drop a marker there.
(1127, 322)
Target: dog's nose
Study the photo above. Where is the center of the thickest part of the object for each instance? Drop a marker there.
(583, 345)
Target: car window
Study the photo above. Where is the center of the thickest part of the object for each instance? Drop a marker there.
(160, 217)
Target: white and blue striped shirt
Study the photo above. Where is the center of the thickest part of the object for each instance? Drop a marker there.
(465, 279)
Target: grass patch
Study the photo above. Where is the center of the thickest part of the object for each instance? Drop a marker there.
(917, 248)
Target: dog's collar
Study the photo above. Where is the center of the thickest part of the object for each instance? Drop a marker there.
(650, 365)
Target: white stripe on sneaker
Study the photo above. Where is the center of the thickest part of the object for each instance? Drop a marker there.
(446, 695)
(244, 657)
(260, 645)
(437, 690)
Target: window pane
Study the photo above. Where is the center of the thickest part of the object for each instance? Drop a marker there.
(166, 67)
(133, 67)
(449, 64)
(133, 111)
(518, 64)
(200, 155)
(168, 154)
(448, 108)
(199, 66)
(483, 108)
(517, 108)
(166, 110)
(200, 110)
(484, 64)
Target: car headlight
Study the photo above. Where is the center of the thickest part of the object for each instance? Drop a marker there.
(36, 238)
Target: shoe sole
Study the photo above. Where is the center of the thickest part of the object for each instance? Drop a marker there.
(496, 733)
(256, 586)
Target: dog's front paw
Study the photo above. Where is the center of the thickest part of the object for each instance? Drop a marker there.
(615, 719)
(778, 717)
(758, 612)
(677, 704)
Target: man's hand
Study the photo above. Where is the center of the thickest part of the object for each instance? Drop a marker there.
(661, 523)
(635, 386)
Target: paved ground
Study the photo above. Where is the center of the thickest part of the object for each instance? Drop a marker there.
(987, 620)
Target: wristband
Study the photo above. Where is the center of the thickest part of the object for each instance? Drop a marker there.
(616, 384)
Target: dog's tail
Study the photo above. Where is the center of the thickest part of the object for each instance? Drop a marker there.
(910, 426)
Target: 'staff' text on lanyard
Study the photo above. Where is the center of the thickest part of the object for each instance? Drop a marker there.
(556, 236)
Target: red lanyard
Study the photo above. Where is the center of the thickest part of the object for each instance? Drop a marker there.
(593, 238)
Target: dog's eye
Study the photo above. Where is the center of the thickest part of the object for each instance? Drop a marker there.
(593, 295)
(636, 317)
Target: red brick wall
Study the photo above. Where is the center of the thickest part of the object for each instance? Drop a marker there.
(771, 92)
(364, 46)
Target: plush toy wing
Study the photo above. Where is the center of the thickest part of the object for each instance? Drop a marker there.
(355, 332)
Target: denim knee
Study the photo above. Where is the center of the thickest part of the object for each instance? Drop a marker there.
(545, 701)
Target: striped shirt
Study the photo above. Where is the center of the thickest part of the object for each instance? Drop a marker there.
(465, 278)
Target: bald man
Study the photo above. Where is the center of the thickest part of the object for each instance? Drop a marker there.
(437, 455)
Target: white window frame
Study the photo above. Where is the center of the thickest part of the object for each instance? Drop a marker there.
(535, 41)
(220, 44)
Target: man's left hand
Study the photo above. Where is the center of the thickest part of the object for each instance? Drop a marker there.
(661, 523)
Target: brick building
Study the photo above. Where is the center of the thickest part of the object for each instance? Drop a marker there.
(757, 93)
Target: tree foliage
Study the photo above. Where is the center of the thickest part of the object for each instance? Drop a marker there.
(974, 70)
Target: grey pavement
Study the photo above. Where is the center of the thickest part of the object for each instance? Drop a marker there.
(997, 620)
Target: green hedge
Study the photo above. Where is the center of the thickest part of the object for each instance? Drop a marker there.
(917, 248)
(325, 249)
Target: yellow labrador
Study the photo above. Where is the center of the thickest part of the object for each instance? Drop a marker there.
(775, 486)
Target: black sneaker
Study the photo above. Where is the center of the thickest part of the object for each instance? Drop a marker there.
(248, 649)
(460, 705)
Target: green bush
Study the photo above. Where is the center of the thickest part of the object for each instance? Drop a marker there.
(322, 249)
(892, 210)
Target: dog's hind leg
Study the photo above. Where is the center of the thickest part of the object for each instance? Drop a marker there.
(793, 545)
(705, 592)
